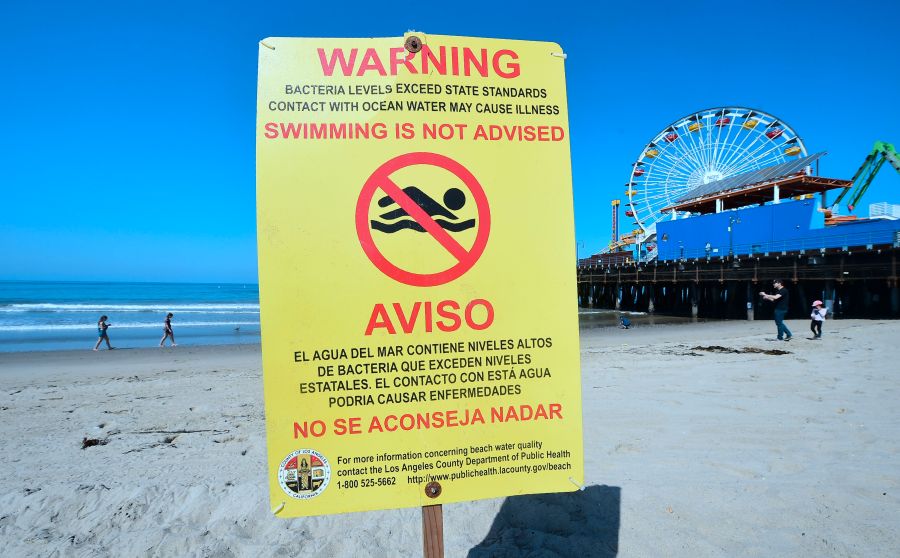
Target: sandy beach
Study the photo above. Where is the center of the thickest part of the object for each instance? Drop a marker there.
(698, 443)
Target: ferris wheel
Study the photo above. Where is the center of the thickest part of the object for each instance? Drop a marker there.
(700, 148)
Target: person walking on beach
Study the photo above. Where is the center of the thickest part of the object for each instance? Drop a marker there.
(818, 317)
(167, 331)
(102, 326)
(782, 299)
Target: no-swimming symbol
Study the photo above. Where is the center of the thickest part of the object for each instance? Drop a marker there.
(411, 208)
(398, 219)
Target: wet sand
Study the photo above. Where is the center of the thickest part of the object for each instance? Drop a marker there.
(697, 443)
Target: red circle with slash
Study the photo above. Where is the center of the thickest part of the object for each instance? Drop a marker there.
(381, 179)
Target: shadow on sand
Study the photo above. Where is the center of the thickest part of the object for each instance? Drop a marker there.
(584, 523)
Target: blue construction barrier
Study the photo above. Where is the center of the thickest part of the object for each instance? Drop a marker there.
(790, 226)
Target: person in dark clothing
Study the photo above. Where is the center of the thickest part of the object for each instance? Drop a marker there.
(782, 299)
(167, 331)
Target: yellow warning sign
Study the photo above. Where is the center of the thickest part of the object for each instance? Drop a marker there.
(417, 291)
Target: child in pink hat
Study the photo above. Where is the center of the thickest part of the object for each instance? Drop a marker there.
(818, 317)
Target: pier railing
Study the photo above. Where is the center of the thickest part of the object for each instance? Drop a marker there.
(845, 241)
(612, 258)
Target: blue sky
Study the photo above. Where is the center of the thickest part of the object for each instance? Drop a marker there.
(128, 128)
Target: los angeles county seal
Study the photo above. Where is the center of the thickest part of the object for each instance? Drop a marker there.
(304, 474)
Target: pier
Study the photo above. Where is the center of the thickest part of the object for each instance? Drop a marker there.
(859, 282)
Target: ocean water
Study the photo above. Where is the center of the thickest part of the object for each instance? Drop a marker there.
(589, 318)
(47, 316)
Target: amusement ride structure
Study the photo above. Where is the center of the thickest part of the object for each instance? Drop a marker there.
(867, 171)
(697, 149)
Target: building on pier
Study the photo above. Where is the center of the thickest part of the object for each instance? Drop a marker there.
(775, 210)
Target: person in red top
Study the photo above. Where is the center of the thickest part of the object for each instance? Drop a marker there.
(167, 331)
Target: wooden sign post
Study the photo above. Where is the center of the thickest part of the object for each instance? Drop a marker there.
(433, 531)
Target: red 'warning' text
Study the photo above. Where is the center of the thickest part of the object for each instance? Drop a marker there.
(455, 62)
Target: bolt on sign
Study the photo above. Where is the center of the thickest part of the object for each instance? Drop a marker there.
(416, 241)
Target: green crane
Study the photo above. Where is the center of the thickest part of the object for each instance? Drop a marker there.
(880, 153)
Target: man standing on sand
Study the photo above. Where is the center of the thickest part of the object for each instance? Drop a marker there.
(167, 331)
(782, 300)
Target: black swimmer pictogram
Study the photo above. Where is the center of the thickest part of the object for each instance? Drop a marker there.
(381, 193)
(398, 219)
